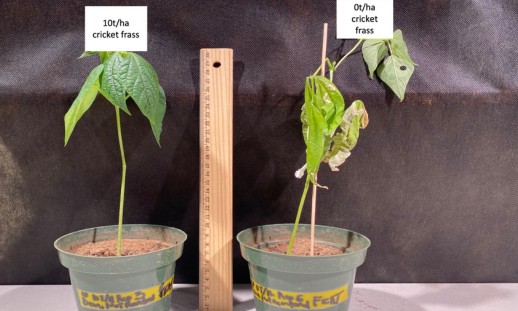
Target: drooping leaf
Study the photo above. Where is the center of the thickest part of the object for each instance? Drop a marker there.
(354, 119)
(396, 73)
(374, 51)
(317, 130)
(330, 103)
(83, 101)
(321, 115)
(308, 98)
(398, 47)
(113, 80)
(142, 85)
(338, 153)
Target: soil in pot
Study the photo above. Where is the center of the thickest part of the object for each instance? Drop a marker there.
(129, 247)
(302, 248)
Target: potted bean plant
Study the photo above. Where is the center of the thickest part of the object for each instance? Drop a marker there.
(307, 266)
(122, 266)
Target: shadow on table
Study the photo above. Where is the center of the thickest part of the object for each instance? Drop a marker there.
(466, 295)
(376, 300)
(186, 299)
(445, 295)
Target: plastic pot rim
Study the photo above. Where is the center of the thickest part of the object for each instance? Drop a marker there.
(107, 258)
(252, 248)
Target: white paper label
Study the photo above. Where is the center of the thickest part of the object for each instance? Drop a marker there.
(115, 28)
(370, 19)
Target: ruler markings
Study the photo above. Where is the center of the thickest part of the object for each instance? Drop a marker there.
(216, 179)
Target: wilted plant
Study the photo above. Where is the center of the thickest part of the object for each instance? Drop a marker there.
(330, 131)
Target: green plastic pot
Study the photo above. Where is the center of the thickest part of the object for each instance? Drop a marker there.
(137, 282)
(287, 282)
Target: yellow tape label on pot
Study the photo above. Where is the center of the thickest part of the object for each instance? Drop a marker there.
(300, 301)
(126, 300)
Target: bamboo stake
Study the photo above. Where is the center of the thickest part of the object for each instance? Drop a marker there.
(324, 48)
(314, 193)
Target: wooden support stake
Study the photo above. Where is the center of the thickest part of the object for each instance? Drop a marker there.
(314, 194)
(216, 99)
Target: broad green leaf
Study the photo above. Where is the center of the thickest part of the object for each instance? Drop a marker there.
(88, 53)
(398, 47)
(321, 115)
(113, 80)
(330, 102)
(354, 119)
(317, 130)
(374, 51)
(396, 73)
(142, 85)
(83, 101)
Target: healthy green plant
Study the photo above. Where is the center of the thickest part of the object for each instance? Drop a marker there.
(330, 131)
(120, 75)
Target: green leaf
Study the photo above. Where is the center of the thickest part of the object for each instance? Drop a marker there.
(374, 51)
(83, 101)
(317, 130)
(88, 53)
(396, 73)
(308, 98)
(398, 47)
(103, 56)
(142, 85)
(329, 102)
(321, 115)
(113, 80)
(354, 119)
(157, 129)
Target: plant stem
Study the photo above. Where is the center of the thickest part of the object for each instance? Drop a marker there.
(313, 218)
(348, 53)
(123, 182)
(341, 59)
(389, 48)
(299, 212)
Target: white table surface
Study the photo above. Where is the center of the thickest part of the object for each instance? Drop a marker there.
(366, 297)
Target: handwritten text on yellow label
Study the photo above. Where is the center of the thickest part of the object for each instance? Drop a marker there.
(127, 300)
(300, 301)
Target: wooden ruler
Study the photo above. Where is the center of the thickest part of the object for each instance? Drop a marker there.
(216, 99)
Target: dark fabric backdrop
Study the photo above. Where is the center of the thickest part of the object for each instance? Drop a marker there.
(433, 181)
